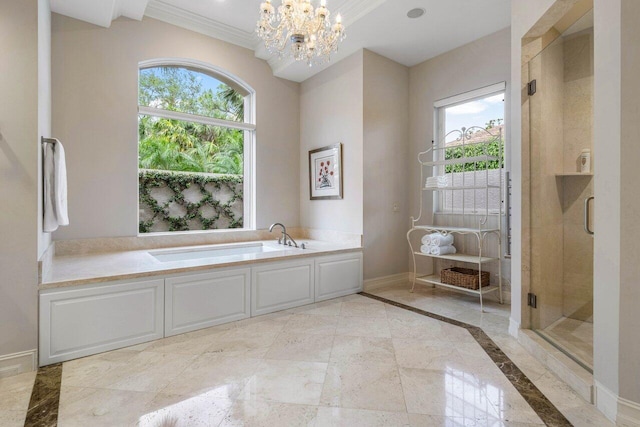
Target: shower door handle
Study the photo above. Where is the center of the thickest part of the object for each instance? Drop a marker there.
(587, 215)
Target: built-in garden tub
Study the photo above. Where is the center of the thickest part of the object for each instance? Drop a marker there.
(99, 302)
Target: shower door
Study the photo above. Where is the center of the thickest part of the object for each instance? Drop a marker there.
(561, 245)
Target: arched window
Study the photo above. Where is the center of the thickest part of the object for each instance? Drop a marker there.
(196, 142)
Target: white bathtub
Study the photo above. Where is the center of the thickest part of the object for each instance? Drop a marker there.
(217, 252)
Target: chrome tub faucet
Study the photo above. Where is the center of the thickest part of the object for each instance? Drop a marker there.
(286, 239)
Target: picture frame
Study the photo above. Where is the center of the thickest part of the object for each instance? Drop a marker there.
(325, 173)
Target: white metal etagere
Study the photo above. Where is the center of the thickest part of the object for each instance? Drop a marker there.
(467, 197)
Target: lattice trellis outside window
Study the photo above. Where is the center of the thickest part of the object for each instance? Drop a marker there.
(179, 201)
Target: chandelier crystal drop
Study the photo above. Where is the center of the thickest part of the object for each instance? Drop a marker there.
(300, 28)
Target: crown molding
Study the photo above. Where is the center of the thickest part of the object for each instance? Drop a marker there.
(353, 10)
(165, 12)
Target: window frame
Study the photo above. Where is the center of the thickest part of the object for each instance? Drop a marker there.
(248, 126)
(439, 125)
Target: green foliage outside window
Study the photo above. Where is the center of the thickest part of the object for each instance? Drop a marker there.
(175, 145)
(491, 148)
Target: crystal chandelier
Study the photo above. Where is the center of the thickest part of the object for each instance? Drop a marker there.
(306, 30)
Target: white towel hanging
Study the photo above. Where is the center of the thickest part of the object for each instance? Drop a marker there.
(55, 186)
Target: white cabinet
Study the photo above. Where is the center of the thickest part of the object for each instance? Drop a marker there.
(79, 322)
(198, 301)
(281, 285)
(338, 275)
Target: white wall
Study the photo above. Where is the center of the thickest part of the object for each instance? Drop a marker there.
(331, 111)
(480, 63)
(19, 147)
(386, 161)
(524, 13)
(95, 87)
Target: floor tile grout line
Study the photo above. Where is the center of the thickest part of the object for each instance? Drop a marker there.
(540, 404)
(45, 397)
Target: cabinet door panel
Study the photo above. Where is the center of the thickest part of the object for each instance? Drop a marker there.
(280, 286)
(203, 300)
(338, 275)
(79, 322)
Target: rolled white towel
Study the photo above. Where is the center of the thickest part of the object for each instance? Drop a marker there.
(425, 249)
(443, 250)
(441, 240)
(432, 182)
(427, 239)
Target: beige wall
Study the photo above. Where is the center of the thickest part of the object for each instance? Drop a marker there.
(331, 111)
(607, 209)
(95, 78)
(44, 104)
(629, 207)
(19, 147)
(386, 161)
(441, 77)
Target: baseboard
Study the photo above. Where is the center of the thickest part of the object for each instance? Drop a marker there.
(606, 401)
(628, 413)
(17, 363)
(514, 327)
(382, 282)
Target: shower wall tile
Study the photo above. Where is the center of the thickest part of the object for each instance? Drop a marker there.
(578, 135)
(576, 190)
(547, 273)
(578, 273)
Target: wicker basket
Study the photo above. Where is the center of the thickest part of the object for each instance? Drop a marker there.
(463, 277)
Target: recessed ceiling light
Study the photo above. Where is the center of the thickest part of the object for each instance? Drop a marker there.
(416, 13)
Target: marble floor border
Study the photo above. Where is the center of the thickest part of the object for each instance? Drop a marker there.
(45, 397)
(542, 406)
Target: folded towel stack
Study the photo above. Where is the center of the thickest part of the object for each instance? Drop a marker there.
(436, 182)
(437, 244)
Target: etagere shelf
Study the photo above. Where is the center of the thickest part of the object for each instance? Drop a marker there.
(468, 195)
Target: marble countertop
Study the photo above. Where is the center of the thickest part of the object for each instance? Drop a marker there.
(76, 270)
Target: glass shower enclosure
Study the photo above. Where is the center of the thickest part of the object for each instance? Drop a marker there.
(560, 192)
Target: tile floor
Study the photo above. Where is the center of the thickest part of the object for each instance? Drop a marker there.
(352, 361)
(15, 393)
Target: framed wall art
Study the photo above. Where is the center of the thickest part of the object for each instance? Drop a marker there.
(325, 172)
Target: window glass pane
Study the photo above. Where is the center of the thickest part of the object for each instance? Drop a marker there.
(176, 145)
(188, 91)
(190, 177)
(477, 115)
(486, 113)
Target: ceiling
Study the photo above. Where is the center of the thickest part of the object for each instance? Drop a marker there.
(381, 26)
